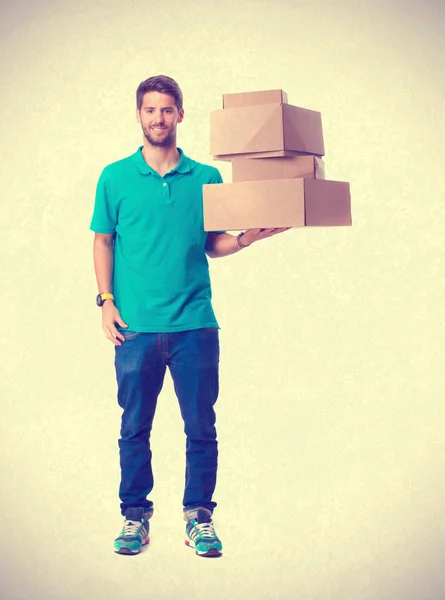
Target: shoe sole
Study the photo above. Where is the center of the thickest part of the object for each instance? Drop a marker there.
(211, 553)
(127, 552)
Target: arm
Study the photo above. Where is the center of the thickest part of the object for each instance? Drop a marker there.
(224, 244)
(103, 254)
(221, 244)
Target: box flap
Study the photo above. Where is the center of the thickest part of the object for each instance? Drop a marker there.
(241, 130)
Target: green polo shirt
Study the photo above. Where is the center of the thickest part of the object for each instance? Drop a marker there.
(161, 279)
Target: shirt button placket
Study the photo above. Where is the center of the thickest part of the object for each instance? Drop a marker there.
(165, 190)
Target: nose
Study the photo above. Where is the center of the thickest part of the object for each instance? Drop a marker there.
(159, 118)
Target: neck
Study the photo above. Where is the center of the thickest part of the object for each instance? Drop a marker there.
(159, 158)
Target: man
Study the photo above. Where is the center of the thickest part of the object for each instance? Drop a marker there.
(154, 289)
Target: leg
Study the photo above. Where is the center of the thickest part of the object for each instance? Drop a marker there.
(140, 370)
(193, 363)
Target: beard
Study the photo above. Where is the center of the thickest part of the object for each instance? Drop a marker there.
(162, 141)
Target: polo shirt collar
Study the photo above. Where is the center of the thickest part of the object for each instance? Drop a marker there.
(183, 165)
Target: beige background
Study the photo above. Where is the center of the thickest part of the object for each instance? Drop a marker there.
(331, 414)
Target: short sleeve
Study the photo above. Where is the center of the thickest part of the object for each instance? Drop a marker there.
(104, 218)
(216, 178)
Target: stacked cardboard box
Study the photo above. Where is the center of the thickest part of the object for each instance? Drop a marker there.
(278, 176)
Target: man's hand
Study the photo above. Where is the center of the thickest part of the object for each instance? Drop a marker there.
(254, 235)
(111, 316)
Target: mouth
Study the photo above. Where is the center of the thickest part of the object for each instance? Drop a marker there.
(158, 129)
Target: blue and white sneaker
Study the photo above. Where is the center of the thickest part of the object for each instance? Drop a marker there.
(200, 533)
(134, 533)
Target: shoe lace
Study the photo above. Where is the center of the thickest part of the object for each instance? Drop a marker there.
(131, 527)
(206, 529)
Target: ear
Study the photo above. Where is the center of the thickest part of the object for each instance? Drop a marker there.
(181, 115)
(138, 115)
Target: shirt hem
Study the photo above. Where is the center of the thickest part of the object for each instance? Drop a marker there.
(163, 329)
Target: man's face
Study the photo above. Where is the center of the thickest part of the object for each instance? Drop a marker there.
(158, 118)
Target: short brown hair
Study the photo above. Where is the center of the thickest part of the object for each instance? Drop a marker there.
(162, 84)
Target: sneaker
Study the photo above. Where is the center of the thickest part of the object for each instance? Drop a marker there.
(200, 533)
(134, 533)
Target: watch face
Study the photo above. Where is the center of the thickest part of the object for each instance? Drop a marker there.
(99, 300)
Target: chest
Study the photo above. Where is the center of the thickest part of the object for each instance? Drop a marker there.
(159, 203)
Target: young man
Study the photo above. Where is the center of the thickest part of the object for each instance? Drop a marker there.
(154, 289)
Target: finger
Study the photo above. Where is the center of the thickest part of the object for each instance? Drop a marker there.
(117, 338)
(267, 232)
(112, 334)
(116, 333)
(120, 321)
(276, 230)
(112, 338)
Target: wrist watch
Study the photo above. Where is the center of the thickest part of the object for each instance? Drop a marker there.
(100, 298)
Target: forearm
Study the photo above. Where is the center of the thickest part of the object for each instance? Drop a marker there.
(223, 244)
(103, 254)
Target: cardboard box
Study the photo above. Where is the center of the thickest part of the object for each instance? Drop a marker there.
(246, 169)
(265, 130)
(279, 203)
(252, 98)
(258, 155)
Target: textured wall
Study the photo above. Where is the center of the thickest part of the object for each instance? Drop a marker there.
(332, 464)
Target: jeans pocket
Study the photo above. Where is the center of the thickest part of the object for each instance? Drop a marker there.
(129, 335)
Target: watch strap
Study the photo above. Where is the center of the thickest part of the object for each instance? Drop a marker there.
(100, 298)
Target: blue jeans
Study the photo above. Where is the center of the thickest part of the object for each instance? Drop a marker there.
(193, 359)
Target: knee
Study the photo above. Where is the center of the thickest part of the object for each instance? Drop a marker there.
(200, 432)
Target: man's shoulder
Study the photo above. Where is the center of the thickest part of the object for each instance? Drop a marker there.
(123, 165)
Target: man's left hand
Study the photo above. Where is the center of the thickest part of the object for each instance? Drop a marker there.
(254, 235)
